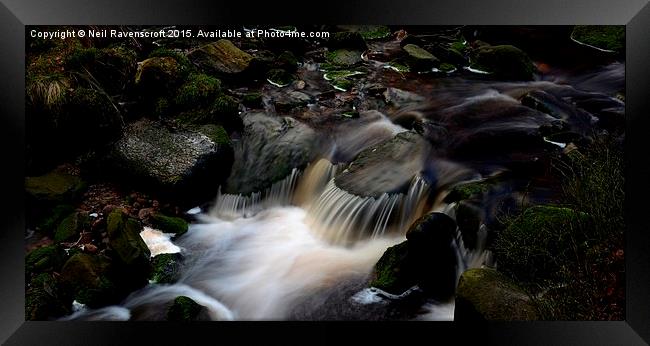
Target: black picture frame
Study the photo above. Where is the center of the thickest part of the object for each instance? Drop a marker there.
(16, 14)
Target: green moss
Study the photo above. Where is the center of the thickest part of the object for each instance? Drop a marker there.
(418, 58)
(224, 107)
(373, 32)
(198, 90)
(342, 84)
(459, 46)
(216, 133)
(85, 276)
(81, 56)
(43, 259)
(252, 100)
(124, 239)
(184, 309)
(395, 66)
(44, 300)
(70, 227)
(467, 191)
(417, 52)
(487, 294)
(169, 224)
(176, 55)
(55, 186)
(342, 58)
(446, 67)
(608, 37)
(390, 273)
(279, 77)
(166, 268)
(159, 75)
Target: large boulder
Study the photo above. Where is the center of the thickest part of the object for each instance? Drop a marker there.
(179, 161)
(426, 259)
(221, 57)
(270, 149)
(485, 294)
(504, 61)
(385, 168)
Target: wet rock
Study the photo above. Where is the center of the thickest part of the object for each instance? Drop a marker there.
(221, 57)
(184, 309)
(401, 98)
(270, 148)
(198, 90)
(168, 224)
(505, 61)
(253, 100)
(288, 101)
(55, 186)
(342, 58)
(45, 259)
(279, 77)
(426, 259)
(385, 168)
(604, 37)
(159, 75)
(87, 279)
(125, 240)
(485, 294)
(44, 299)
(71, 226)
(468, 218)
(166, 268)
(420, 59)
(179, 159)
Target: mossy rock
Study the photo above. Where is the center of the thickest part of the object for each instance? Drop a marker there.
(216, 133)
(198, 90)
(342, 79)
(44, 299)
(71, 226)
(166, 268)
(253, 100)
(169, 224)
(485, 294)
(391, 273)
(45, 259)
(87, 279)
(418, 58)
(537, 244)
(221, 57)
(184, 309)
(447, 68)
(54, 218)
(159, 75)
(347, 39)
(180, 57)
(368, 32)
(279, 77)
(55, 186)
(604, 37)
(469, 190)
(342, 58)
(504, 61)
(124, 239)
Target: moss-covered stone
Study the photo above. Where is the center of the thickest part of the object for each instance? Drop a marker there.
(537, 244)
(342, 58)
(198, 90)
(159, 75)
(446, 67)
(252, 100)
(505, 61)
(166, 268)
(45, 259)
(169, 224)
(86, 278)
(391, 273)
(124, 239)
(485, 294)
(176, 55)
(55, 186)
(373, 32)
(44, 300)
(606, 37)
(216, 133)
(184, 309)
(279, 77)
(221, 57)
(468, 191)
(418, 58)
(71, 226)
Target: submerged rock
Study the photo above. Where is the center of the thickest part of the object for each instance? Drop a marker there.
(221, 57)
(385, 168)
(270, 149)
(485, 294)
(173, 159)
(166, 268)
